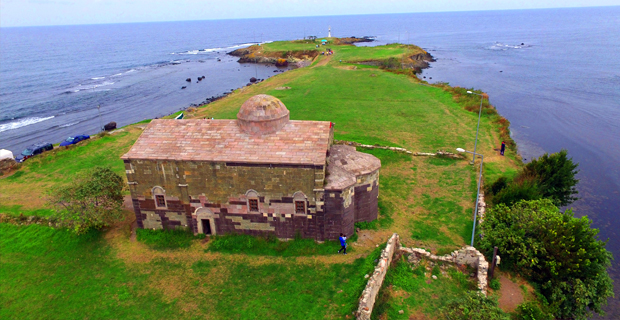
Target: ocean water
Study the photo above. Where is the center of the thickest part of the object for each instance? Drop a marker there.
(554, 73)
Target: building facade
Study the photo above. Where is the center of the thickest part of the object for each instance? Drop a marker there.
(261, 173)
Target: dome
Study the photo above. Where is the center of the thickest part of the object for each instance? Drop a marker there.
(262, 114)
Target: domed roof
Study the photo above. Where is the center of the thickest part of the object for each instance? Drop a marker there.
(262, 114)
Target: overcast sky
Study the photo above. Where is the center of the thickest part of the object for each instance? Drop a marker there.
(69, 12)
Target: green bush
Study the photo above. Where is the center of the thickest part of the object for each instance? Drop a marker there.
(93, 200)
(531, 311)
(495, 284)
(561, 254)
(166, 239)
(555, 174)
(552, 176)
(474, 306)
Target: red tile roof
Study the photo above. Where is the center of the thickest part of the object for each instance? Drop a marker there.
(298, 142)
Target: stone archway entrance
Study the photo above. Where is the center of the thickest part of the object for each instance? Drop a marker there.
(205, 220)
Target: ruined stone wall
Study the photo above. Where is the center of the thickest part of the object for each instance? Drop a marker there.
(375, 281)
(465, 256)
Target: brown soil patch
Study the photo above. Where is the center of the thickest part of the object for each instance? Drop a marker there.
(511, 294)
(323, 62)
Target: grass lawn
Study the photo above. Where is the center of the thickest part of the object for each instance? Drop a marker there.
(45, 272)
(428, 201)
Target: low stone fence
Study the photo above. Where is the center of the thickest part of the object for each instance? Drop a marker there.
(22, 220)
(465, 256)
(375, 281)
(397, 149)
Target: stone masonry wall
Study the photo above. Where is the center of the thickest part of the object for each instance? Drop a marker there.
(465, 256)
(369, 295)
(221, 181)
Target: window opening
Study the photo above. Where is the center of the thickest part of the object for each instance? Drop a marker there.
(300, 207)
(160, 200)
(253, 205)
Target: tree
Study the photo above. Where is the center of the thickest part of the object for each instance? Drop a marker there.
(558, 252)
(555, 174)
(552, 176)
(93, 200)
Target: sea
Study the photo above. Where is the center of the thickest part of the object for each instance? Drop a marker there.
(554, 73)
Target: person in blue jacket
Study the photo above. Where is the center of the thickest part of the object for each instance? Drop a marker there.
(343, 243)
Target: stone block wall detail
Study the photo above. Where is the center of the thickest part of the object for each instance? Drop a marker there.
(369, 295)
(249, 225)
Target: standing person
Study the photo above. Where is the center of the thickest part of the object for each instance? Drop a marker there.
(343, 243)
(503, 148)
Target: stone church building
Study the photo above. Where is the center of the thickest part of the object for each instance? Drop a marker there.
(261, 173)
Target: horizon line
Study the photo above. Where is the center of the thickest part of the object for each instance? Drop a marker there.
(310, 16)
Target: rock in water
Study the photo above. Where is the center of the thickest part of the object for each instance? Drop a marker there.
(110, 126)
(253, 79)
(188, 79)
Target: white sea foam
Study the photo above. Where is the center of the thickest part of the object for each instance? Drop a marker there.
(91, 87)
(68, 124)
(503, 47)
(126, 72)
(22, 123)
(210, 50)
(97, 78)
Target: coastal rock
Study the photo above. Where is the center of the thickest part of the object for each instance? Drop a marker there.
(110, 126)
(183, 87)
(253, 79)
(188, 79)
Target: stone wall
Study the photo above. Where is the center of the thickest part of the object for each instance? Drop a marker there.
(219, 181)
(369, 295)
(465, 256)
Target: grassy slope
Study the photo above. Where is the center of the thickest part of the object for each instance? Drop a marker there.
(428, 201)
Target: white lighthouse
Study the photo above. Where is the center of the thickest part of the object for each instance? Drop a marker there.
(329, 32)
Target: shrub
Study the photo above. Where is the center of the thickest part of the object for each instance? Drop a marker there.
(550, 176)
(531, 311)
(517, 191)
(495, 284)
(561, 254)
(93, 200)
(473, 306)
(555, 174)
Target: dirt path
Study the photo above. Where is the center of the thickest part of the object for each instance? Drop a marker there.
(323, 61)
(511, 294)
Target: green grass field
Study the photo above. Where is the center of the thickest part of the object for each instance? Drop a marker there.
(428, 201)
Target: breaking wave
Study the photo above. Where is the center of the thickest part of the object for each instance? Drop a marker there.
(68, 124)
(22, 123)
(89, 87)
(502, 46)
(210, 50)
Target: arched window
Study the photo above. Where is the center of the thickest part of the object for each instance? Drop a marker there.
(300, 201)
(159, 195)
(252, 201)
